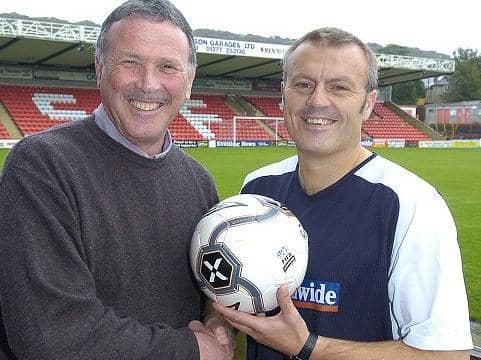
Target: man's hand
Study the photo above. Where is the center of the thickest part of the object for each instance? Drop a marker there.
(209, 347)
(285, 332)
(223, 332)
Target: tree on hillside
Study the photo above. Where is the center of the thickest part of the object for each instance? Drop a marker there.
(407, 93)
(410, 51)
(465, 82)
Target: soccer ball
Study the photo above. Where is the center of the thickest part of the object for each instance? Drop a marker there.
(244, 248)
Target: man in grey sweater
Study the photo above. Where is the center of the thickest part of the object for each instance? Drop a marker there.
(96, 216)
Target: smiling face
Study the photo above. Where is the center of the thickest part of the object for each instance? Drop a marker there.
(325, 98)
(144, 79)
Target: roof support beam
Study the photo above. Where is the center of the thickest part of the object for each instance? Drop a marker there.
(58, 53)
(249, 67)
(9, 43)
(227, 58)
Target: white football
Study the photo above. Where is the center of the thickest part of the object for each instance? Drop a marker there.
(244, 248)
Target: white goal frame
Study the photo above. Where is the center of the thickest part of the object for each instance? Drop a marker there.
(235, 119)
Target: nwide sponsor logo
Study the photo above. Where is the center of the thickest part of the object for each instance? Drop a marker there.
(317, 295)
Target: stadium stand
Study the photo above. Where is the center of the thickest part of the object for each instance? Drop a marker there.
(271, 107)
(181, 129)
(203, 117)
(213, 119)
(385, 124)
(36, 108)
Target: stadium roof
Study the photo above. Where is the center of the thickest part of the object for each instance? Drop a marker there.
(41, 44)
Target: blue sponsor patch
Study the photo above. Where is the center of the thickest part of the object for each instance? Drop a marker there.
(318, 295)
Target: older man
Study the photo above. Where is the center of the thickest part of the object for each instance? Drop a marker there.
(96, 216)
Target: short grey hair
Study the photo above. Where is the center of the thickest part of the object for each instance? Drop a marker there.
(154, 10)
(334, 37)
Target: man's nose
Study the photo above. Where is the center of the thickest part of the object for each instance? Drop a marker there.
(149, 78)
(319, 97)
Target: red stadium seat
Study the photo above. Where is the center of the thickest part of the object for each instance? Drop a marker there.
(271, 107)
(36, 108)
(213, 118)
(384, 124)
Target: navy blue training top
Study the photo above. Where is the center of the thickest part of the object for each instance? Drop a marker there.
(351, 227)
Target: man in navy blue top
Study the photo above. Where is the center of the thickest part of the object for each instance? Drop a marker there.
(384, 278)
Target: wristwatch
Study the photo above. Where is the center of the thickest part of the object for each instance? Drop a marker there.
(307, 349)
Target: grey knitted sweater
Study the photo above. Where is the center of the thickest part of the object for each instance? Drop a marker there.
(94, 248)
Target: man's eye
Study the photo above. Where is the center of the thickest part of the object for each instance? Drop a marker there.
(302, 85)
(129, 62)
(339, 88)
(169, 68)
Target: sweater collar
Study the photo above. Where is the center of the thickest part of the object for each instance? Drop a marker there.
(103, 122)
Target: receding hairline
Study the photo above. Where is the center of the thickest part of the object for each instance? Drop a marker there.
(334, 37)
(324, 43)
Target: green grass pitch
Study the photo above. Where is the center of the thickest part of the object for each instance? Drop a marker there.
(456, 173)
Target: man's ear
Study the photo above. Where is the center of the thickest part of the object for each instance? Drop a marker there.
(190, 81)
(282, 94)
(188, 92)
(369, 105)
(98, 70)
